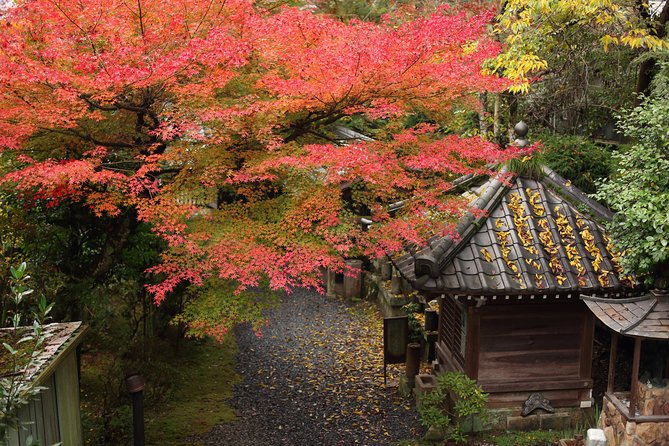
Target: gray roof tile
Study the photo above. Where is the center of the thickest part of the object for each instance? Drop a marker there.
(532, 241)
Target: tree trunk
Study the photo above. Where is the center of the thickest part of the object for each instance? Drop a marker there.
(116, 239)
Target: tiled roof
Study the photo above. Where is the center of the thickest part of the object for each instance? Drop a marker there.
(62, 337)
(645, 317)
(529, 240)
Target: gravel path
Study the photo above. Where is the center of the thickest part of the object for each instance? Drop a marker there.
(314, 378)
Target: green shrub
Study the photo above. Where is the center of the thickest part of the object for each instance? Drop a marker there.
(530, 438)
(455, 400)
(415, 326)
(578, 159)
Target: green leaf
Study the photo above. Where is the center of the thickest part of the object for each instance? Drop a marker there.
(10, 349)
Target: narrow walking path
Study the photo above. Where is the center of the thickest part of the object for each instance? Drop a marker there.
(315, 377)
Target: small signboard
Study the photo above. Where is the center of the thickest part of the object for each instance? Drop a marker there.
(395, 338)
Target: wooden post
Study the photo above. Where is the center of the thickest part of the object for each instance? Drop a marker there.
(613, 354)
(330, 283)
(586, 346)
(386, 268)
(472, 342)
(353, 279)
(412, 361)
(634, 394)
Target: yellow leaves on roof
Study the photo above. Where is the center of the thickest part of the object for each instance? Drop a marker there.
(551, 248)
(558, 240)
(555, 265)
(535, 202)
(520, 221)
(616, 261)
(567, 233)
(486, 255)
(503, 239)
(595, 253)
(533, 263)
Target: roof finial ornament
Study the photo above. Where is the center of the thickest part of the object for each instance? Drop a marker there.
(521, 130)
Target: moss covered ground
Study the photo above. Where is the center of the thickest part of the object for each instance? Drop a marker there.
(186, 393)
(205, 378)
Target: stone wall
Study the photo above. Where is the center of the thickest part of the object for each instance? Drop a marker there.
(620, 432)
(653, 400)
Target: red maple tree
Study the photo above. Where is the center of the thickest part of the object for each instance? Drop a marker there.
(164, 106)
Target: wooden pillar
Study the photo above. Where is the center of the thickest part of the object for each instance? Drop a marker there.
(353, 278)
(472, 342)
(330, 283)
(586, 346)
(634, 394)
(386, 268)
(613, 354)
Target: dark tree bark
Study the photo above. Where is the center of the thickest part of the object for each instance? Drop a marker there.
(117, 236)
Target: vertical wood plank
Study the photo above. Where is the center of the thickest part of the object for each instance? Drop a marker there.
(39, 418)
(27, 416)
(588, 337)
(472, 339)
(634, 394)
(50, 409)
(14, 439)
(67, 393)
(613, 356)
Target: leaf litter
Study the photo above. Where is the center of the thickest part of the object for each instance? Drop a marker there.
(315, 377)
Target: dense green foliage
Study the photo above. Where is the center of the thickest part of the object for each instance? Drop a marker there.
(19, 352)
(456, 399)
(577, 159)
(573, 60)
(415, 326)
(639, 188)
(529, 438)
(176, 406)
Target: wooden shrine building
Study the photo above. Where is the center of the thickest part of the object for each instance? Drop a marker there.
(52, 416)
(509, 287)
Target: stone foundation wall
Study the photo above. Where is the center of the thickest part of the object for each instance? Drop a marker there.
(620, 432)
(653, 400)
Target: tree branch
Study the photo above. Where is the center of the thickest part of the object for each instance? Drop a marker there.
(90, 138)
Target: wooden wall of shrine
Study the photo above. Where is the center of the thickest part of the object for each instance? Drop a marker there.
(516, 347)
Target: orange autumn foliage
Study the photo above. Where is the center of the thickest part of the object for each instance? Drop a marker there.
(166, 107)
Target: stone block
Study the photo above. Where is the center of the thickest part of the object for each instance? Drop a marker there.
(595, 437)
(496, 419)
(610, 408)
(424, 383)
(555, 421)
(630, 428)
(648, 407)
(406, 385)
(611, 438)
(471, 424)
(391, 306)
(648, 432)
(434, 434)
(528, 423)
(386, 268)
